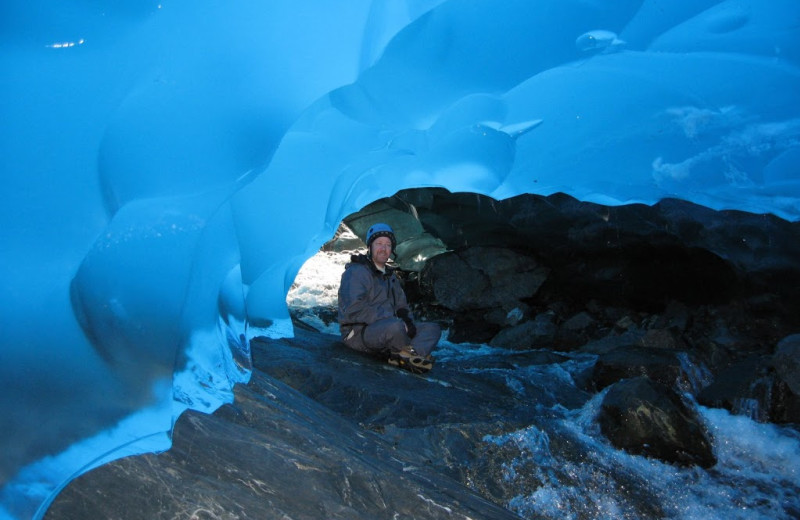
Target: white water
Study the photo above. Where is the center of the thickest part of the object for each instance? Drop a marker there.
(756, 476)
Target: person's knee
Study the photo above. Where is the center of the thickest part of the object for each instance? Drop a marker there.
(429, 329)
(397, 328)
(387, 333)
(397, 324)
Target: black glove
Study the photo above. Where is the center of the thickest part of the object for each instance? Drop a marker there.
(411, 329)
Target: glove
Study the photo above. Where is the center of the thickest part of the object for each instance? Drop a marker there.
(411, 329)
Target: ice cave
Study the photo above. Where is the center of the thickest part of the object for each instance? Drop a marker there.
(171, 165)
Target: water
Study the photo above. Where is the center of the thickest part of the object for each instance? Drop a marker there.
(581, 476)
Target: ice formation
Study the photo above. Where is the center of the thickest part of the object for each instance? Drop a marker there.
(170, 166)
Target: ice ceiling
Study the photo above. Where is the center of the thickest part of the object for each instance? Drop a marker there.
(169, 166)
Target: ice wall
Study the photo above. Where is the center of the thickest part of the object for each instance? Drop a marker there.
(169, 166)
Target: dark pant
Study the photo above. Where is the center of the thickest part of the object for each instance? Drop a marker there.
(389, 335)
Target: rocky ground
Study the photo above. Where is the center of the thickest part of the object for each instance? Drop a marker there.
(277, 454)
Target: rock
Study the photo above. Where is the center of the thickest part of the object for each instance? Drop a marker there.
(744, 388)
(786, 362)
(578, 330)
(344, 240)
(666, 339)
(785, 404)
(647, 418)
(272, 454)
(676, 317)
(786, 394)
(482, 278)
(481, 287)
(661, 365)
(537, 333)
(470, 327)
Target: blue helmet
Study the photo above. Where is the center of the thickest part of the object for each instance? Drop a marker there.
(380, 230)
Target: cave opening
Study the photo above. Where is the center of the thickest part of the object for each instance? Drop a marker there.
(553, 272)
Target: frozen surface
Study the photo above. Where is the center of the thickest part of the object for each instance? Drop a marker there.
(168, 168)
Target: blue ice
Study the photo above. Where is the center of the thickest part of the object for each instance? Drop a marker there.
(168, 167)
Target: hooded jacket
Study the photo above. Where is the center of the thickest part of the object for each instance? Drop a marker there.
(367, 295)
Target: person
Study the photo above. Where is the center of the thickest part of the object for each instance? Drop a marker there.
(374, 316)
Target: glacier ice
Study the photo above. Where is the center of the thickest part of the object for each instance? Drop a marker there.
(170, 166)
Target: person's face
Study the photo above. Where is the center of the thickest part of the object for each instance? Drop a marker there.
(381, 250)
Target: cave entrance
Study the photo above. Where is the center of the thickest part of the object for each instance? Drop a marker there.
(559, 271)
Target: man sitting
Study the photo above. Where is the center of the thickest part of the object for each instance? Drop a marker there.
(373, 311)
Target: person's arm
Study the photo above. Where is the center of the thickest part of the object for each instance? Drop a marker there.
(403, 311)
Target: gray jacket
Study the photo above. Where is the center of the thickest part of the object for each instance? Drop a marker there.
(367, 295)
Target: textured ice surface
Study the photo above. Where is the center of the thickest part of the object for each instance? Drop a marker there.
(168, 167)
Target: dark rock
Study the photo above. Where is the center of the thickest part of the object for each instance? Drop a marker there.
(577, 330)
(661, 365)
(537, 333)
(270, 455)
(470, 327)
(744, 388)
(786, 394)
(666, 339)
(481, 287)
(464, 399)
(613, 341)
(507, 318)
(675, 318)
(786, 362)
(647, 418)
(482, 278)
(785, 404)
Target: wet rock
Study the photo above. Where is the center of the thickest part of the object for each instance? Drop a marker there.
(647, 418)
(786, 394)
(577, 330)
(787, 362)
(537, 333)
(272, 454)
(785, 404)
(470, 327)
(661, 365)
(744, 388)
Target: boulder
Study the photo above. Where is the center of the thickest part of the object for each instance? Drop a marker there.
(786, 362)
(576, 331)
(744, 388)
(661, 365)
(537, 333)
(647, 418)
(786, 394)
(480, 287)
(482, 278)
